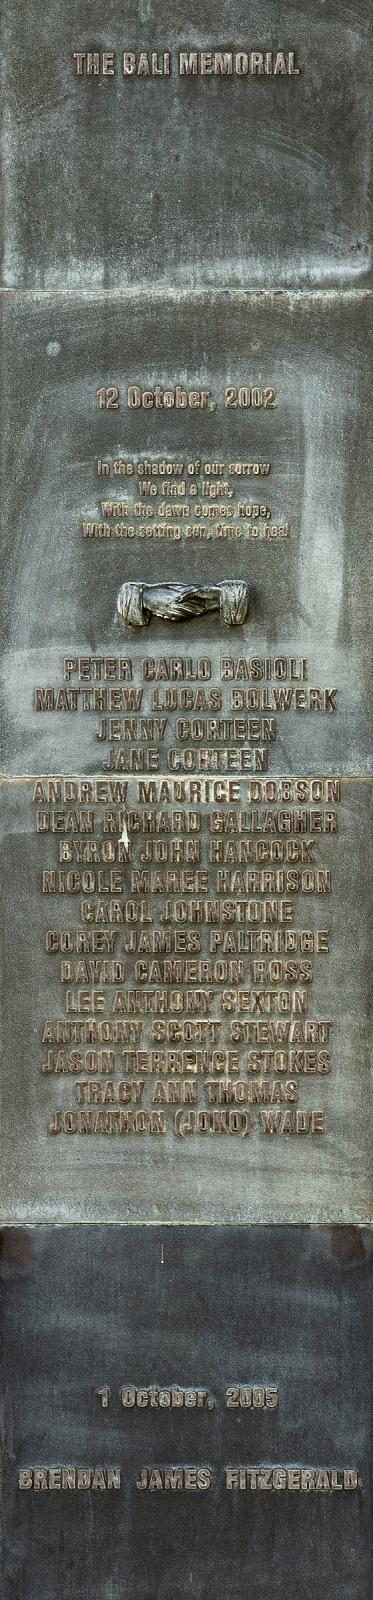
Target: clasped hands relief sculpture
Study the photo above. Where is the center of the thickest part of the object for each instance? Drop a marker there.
(175, 602)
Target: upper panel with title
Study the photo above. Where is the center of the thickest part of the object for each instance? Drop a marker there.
(209, 144)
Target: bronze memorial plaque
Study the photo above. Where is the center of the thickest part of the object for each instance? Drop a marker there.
(186, 1193)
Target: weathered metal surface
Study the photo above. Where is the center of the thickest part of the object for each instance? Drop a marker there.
(272, 1327)
(118, 180)
(273, 492)
(200, 885)
(186, 1039)
(185, 802)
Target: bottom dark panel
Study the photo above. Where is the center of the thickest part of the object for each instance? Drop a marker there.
(186, 1413)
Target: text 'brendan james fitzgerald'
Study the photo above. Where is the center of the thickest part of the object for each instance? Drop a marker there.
(296, 1479)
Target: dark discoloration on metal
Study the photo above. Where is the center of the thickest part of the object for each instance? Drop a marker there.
(349, 1245)
(15, 1248)
(194, 1307)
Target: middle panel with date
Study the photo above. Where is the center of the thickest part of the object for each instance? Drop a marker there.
(186, 801)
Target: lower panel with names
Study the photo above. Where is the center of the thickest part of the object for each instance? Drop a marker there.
(187, 1036)
(187, 1412)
